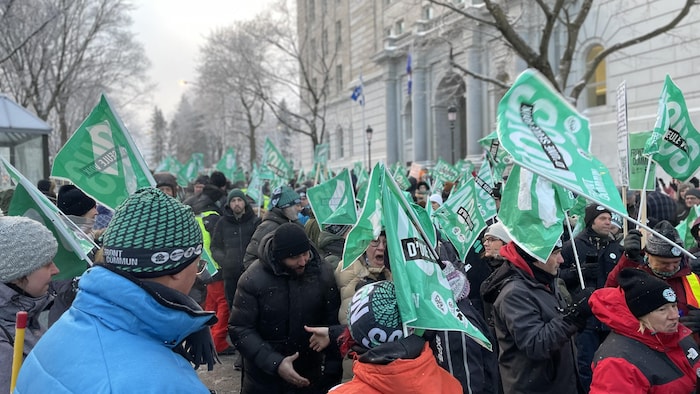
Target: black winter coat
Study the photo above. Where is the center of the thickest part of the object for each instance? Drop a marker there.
(229, 241)
(268, 316)
(273, 219)
(589, 245)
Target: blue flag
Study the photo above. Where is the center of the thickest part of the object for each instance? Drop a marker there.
(358, 94)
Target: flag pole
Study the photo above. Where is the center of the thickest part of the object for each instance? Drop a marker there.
(573, 245)
(643, 200)
(411, 215)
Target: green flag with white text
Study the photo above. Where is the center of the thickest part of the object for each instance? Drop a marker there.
(423, 294)
(460, 219)
(73, 245)
(485, 200)
(544, 133)
(275, 162)
(102, 159)
(333, 201)
(368, 226)
(498, 158)
(675, 143)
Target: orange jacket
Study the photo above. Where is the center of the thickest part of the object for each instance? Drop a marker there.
(421, 376)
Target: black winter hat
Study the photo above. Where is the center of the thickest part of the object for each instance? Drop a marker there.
(72, 201)
(593, 211)
(213, 192)
(644, 293)
(658, 247)
(289, 240)
(218, 179)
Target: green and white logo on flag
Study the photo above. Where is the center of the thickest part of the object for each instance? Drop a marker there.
(191, 169)
(321, 154)
(684, 227)
(333, 201)
(73, 245)
(369, 224)
(638, 162)
(498, 158)
(485, 200)
(460, 218)
(532, 213)
(423, 293)
(546, 135)
(401, 178)
(227, 163)
(275, 162)
(255, 186)
(675, 143)
(445, 172)
(102, 159)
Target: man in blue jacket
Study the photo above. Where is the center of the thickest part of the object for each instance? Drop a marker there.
(131, 328)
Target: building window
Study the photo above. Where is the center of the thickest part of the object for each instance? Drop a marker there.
(324, 42)
(398, 27)
(339, 78)
(338, 35)
(340, 141)
(596, 90)
(427, 12)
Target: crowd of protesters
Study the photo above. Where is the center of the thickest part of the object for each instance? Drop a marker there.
(606, 312)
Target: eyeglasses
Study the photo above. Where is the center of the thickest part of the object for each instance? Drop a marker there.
(489, 239)
(376, 242)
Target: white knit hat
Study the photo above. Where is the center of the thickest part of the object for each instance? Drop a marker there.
(25, 246)
(497, 230)
(436, 198)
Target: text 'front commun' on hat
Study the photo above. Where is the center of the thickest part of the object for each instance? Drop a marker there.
(284, 197)
(289, 240)
(72, 201)
(25, 246)
(658, 247)
(152, 234)
(644, 293)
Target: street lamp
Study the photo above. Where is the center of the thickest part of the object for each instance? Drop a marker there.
(369, 147)
(452, 116)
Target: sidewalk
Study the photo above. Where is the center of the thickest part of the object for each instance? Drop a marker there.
(224, 379)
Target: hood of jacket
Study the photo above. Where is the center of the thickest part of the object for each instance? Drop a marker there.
(609, 306)
(124, 304)
(277, 215)
(492, 286)
(203, 203)
(12, 302)
(325, 238)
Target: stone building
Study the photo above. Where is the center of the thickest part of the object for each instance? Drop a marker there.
(373, 40)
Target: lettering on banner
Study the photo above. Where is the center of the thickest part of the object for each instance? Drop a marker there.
(415, 249)
(548, 146)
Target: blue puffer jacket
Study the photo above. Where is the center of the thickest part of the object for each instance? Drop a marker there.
(115, 338)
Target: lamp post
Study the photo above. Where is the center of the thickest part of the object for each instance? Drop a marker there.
(369, 147)
(452, 116)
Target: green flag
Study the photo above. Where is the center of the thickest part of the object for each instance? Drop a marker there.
(191, 169)
(544, 133)
(255, 186)
(73, 245)
(638, 162)
(498, 158)
(275, 162)
(423, 293)
(102, 159)
(321, 154)
(169, 164)
(227, 164)
(369, 224)
(531, 212)
(675, 143)
(444, 171)
(685, 226)
(401, 178)
(333, 201)
(460, 219)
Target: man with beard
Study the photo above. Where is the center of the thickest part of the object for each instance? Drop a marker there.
(285, 206)
(289, 288)
(598, 253)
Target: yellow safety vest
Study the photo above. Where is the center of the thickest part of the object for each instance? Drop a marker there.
(206, 237)
(691, 285)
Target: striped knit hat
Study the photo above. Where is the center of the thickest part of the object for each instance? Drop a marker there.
(152, 234)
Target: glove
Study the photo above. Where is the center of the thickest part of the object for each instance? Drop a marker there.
(589, 269)
(692, 319)
(633, 245)
(579, 311)
(198, 348)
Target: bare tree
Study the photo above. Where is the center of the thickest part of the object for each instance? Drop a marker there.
(188, 134)
(87, 50)
(557, 15)
(25, 27)
(301, 68)
(230, 67)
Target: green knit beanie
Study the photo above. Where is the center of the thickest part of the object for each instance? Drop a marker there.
(152, 234)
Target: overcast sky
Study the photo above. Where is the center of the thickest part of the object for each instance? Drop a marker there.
(172, 32)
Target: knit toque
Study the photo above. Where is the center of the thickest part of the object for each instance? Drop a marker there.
(152, 234)
(658, 247)
(25, 246)
(644, 293)
(72, 201)
(284, 197)
(289, 240)
(374, 316)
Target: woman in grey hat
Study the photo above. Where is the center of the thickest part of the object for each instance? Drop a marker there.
(27, 250)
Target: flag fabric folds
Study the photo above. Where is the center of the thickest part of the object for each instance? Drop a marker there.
(675, 143)
(227, 164)
(333, 201)
(358, 93)
(274, 161)
(190, 170)
(73, 245)
(102, 159)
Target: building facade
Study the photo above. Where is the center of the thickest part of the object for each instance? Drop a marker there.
(371, 42)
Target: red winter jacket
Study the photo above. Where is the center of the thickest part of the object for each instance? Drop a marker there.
(631, 362)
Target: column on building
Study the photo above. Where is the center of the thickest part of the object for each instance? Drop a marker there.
(393, 110)
(475, 95)
(419, 97)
